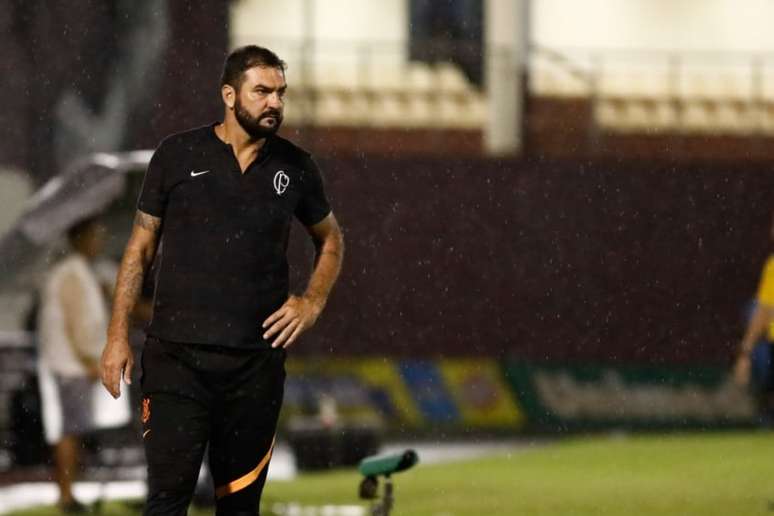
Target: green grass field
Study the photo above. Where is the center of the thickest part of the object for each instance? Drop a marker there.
(726, 473)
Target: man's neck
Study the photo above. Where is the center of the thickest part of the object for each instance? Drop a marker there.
(242, 143)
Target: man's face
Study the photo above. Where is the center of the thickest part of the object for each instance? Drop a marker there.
(259, 102)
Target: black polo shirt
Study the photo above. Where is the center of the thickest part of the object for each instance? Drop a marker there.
(223, 268)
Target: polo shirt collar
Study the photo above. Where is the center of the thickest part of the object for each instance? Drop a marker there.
(262, 153)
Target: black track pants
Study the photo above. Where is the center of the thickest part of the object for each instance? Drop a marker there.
(194, 395)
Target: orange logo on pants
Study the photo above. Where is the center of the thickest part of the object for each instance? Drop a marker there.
(145, 410)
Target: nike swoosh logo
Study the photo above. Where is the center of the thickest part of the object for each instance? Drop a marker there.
(194, 174)
(145, 433)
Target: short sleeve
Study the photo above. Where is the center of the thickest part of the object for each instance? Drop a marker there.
(153, 196)
(766, 287)
(313, 205)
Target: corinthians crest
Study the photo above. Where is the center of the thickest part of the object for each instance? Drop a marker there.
(281, 182)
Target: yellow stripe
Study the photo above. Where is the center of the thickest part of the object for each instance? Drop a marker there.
(245, 480)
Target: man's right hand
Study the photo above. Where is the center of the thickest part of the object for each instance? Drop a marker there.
(116, 359)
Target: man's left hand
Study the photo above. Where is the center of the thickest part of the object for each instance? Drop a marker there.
(297, 315)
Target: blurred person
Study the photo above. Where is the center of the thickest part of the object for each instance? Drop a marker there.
(220, 199)
(754, 360)
(72, 322)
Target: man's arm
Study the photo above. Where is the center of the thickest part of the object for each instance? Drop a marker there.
(138, 256)
(298, 314)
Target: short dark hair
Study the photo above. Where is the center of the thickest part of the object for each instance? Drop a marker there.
(80, 227)
(244, 58)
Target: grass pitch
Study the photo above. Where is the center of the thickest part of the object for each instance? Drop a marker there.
(728, 473)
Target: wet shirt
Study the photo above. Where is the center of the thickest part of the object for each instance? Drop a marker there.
(222, 268)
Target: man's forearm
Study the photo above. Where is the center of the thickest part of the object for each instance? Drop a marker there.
(326, 270)
(128, 288)
(139, 254)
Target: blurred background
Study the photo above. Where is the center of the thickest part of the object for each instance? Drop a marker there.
(555, 212)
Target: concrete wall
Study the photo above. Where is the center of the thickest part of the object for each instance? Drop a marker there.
(350, 21)
(627, 24)
(343, 34)
(97, 87)
(609, 261)
(717, 25)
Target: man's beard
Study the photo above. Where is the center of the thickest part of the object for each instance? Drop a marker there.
(252, 125)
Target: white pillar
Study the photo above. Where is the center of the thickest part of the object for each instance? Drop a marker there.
(506, 32)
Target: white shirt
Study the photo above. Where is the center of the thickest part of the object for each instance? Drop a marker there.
(73, 316)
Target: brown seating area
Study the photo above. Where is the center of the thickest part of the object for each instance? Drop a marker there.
(399, 95)
(661, 92)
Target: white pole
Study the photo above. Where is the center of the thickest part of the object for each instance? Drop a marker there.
(506, 32)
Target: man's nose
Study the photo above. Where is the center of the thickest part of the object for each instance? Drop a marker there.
(275, 100)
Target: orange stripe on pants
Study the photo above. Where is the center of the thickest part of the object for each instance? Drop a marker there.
(245, 480)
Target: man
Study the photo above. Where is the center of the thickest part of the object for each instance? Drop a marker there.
(220, 200)
(754, 352)
(759, 332)
(72, 322)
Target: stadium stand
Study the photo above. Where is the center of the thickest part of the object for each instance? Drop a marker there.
(346, 93)
(651, 92)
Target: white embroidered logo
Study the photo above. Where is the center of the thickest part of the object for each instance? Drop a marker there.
(194, 174)
(281, 182)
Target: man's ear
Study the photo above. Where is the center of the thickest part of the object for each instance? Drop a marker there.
(228, 93)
